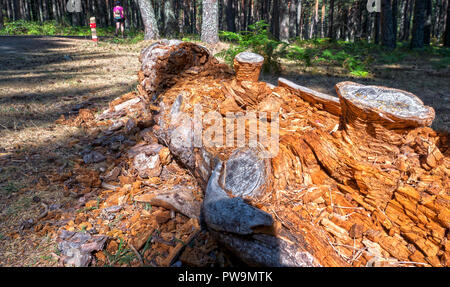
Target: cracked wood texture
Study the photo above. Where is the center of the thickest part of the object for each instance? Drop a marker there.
(358, 180)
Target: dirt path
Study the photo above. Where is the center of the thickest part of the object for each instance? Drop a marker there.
(42, 78)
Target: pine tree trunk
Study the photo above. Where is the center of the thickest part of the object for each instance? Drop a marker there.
(284, 20)
(447, 28)
(149, 20)
(387, 26)
(405, 20)
(1, 14)
(292, 19)
(16, 10)
(231, 25)
(377, 28)
(275, 25)
(418, 25)
(210, 24)
(427, 25)
(170, 22)
(394, 19)
(330, 20)
(299, 18)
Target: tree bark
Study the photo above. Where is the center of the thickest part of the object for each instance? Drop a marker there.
(275, 25)
(284, 20)
(418, 25)
(292, 18)
(330, 20)
(427, 24)
(149, 20)
(376, 28)
(170, 22)
(447, 28)
(387, 32)
(1, 14)
(231, 25)
(210, 24)
(395, 19)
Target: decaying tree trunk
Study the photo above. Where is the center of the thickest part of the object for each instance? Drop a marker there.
(354, 180)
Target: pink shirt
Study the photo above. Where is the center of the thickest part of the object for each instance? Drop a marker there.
(120, 9)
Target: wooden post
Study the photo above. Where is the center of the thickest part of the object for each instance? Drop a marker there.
(93, 26)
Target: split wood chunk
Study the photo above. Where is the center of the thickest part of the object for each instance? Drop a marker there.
(392, 108)
(248, 66)
(326, 102)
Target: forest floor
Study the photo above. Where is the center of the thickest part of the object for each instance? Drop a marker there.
(42, 78)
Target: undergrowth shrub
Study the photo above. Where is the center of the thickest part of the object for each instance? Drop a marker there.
(257, 40)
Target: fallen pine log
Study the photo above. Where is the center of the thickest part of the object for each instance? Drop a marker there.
(361, 181)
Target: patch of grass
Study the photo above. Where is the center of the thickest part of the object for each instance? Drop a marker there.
(122, 256)
(441, 63)
(11, 187)
(52, 28)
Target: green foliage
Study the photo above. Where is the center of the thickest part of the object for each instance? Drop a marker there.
(11, 187)
(52, 28)
(122, 256)
(257, 40)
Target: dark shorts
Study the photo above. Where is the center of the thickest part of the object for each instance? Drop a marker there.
(119, 20)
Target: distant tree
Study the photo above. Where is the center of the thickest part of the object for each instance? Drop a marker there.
(292, 18)
(170, 22)
(447, 28)
(1, 14)
(231, 15)
(418, 24)
(149, 20)
(275, 25)
(210, 22)
(394, 19)
(376, 27)
(330, 20)
(284, 20)
(427, 24)
(387, 27)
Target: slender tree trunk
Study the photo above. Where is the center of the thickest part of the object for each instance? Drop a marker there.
(315, 21)
(210, 25)
(292, 19)
(276, 19)
(322, 20)
(16, 10)
(447, 28)
(387, 26)
(418, 25)
(1, 14)
(299, 19)
(330, 20)
(231, 25)
(405, 20)
(394, 19)
(427, 25)
(170, 22)
(376, 28)
(284, 20)
(149, 20)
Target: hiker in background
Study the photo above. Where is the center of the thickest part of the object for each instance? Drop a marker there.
(119, 18)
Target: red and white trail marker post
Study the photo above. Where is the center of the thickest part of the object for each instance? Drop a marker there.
(93, 26)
